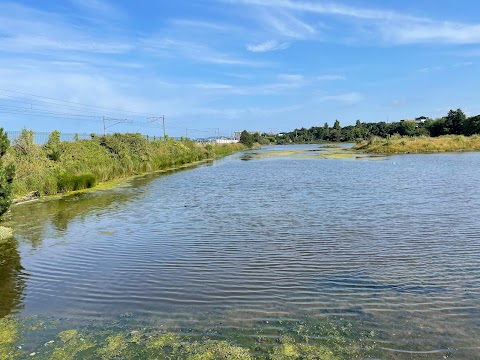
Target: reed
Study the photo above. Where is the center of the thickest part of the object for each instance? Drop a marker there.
(84, 163)
(420, 145)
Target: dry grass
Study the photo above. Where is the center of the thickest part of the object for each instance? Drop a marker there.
(420, 145)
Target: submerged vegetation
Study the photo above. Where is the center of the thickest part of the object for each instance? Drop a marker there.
(422, 144)
(21, 339)
(59, 167)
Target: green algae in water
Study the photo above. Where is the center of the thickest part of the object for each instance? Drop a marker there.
(20, 338)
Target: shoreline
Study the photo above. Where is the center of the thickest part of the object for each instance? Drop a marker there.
(111, 184)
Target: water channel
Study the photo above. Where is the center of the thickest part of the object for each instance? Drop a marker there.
(277, 235)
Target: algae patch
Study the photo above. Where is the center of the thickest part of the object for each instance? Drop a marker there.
(5, 233)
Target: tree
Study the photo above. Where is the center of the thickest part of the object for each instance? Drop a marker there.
(472, 125)
(454, 121)
(407, 128)
(337, 126)
(7, 173)
(438, 128)
(246, 139)
(53, 146)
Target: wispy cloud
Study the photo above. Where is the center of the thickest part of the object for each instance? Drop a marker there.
(25, 29)
(430, 31)
(437, 68)
(271, 45)
(285, 24)
(205, 25)
(196, 52)
(391, 26)
(350, 97)
(431, 69)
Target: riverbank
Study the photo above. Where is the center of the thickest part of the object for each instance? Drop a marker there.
(419, 145)
(63, 167)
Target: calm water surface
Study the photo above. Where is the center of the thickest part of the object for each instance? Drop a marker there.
(391, 246)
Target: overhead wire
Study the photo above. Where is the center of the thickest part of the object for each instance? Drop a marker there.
(22, 103)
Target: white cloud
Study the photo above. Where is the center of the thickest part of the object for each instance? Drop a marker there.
(429, 31)
(271, 45)
(391, 26)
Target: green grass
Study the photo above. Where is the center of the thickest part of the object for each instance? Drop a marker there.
(84, 164)
(422, 144)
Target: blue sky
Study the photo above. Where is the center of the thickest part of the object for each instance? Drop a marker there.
(267, 65)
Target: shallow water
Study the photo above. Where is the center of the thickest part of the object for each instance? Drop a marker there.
(391, 246)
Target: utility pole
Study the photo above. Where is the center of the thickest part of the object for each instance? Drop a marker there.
(186, 133)
(163, 126)
(104, 127)
(154, 120)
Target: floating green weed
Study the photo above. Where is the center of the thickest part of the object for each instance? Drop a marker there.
(328, 340)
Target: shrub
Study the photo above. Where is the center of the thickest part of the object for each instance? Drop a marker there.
(7, 173)
(24, 143)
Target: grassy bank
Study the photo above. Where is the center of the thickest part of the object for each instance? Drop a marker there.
(422, 144)
(59, 167)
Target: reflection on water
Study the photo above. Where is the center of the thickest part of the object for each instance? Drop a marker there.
(390, 246)
(12, 279)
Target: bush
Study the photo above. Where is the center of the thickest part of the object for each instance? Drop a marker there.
(24, 143)
(7, 173)
(53, 146)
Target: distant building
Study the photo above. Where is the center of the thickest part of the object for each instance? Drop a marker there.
(226, 141)
(421, 119)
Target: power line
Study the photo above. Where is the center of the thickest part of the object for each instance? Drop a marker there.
(72, 102)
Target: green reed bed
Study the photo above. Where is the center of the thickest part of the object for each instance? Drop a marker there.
(59, 167)
(419, 144)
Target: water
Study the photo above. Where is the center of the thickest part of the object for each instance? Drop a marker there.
(391, 246)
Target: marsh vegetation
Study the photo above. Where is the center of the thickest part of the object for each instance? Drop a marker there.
(59, 167)
(419, 144)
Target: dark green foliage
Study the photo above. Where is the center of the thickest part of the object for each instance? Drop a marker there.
(69, 182)
(247, 139)
(7, 174)
(455, 123)
(471, 126)
(407, 128)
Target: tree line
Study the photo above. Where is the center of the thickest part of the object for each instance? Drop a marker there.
(455, 123)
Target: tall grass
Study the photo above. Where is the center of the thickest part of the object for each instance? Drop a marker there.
(84, 163)
(422, 144)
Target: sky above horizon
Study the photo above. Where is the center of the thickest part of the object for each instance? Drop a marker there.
(266, 65)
